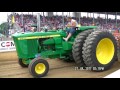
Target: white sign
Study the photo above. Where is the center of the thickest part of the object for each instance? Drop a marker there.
(7, 46)
(115, 74)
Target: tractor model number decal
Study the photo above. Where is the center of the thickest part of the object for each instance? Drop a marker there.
(23, 38)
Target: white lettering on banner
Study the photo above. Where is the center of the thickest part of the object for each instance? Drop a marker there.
(7, 46)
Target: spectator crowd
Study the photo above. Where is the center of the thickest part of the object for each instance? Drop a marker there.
(56, 22)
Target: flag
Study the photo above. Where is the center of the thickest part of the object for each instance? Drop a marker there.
(13, 19)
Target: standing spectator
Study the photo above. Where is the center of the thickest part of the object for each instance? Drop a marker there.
(46, 27)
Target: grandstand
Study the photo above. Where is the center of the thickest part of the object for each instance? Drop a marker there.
(53, 20)
(25, 20)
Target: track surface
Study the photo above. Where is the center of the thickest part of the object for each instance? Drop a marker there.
(9, 68)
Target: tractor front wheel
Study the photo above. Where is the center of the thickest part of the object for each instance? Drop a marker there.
(38, 68)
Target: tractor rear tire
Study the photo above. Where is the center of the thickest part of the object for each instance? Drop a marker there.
(22, 63)
(38, 68)
(100, 50)
(77, 47)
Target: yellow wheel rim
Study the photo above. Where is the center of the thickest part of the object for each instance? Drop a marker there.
(40, 68)
(105, 51)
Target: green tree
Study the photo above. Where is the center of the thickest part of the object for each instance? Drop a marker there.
(4, 28)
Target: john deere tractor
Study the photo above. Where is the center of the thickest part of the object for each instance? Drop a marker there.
(88, 47)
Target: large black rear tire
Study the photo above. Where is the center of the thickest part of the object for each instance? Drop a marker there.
(100, 50)
(77, 47)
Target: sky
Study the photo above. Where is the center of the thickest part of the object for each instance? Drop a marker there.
(3, 15)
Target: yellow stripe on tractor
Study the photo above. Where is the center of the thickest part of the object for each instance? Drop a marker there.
(35, 37)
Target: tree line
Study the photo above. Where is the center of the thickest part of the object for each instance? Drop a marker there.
(4, 27)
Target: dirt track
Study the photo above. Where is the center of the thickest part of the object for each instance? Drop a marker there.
(9, 68)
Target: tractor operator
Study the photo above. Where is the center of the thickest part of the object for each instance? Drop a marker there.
(72, 24)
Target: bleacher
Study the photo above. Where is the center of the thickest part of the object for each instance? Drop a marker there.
(55, 22)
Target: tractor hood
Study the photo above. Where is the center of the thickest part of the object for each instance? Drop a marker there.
(35, 35)
(87, 27)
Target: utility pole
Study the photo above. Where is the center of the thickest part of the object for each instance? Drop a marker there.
(63, 19)
(79, 16)
(38, 22)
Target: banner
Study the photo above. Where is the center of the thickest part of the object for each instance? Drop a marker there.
(7, 46)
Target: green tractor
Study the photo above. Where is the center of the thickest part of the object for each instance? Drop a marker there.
(88, 47)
